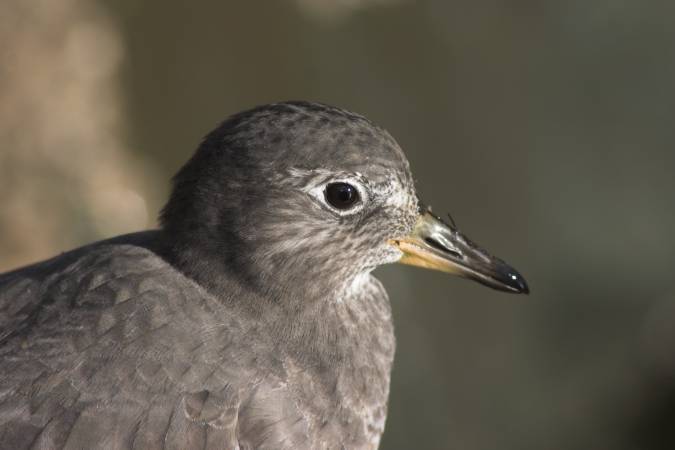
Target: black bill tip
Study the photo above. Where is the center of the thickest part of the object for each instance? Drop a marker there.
(518, 283)
(506, 278)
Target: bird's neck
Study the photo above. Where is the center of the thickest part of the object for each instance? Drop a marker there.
(343, 335)
(312, 319)
(232, 273)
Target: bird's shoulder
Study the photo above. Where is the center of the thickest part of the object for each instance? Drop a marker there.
(97, 275)
(99, 345)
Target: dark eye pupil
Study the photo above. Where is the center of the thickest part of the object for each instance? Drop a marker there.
(341, 195)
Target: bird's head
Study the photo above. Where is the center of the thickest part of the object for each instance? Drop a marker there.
(305, 197)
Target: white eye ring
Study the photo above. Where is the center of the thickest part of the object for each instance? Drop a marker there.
(321, 194)
(315, 182)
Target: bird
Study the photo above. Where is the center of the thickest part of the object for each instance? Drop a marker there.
(249, 319)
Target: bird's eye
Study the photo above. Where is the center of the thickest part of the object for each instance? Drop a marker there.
(341, 195)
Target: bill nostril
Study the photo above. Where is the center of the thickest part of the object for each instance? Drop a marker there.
(438, 246)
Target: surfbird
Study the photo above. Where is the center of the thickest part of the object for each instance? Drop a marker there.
(249, 319)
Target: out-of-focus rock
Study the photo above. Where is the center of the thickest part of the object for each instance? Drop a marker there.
(66, 175)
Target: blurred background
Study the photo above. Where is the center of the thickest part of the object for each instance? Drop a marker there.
(545, 127)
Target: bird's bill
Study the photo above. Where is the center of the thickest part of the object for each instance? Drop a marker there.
(433, 244)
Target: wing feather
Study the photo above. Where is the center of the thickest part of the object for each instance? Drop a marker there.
(108, 346)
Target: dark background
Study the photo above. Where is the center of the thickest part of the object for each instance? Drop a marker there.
(544, 127)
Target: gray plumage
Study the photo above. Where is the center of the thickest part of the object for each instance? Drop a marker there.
(249, 320)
